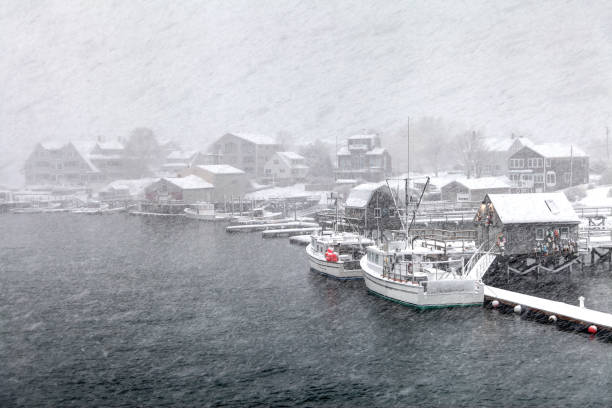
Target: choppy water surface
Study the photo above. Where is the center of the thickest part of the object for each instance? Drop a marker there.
(129, 311)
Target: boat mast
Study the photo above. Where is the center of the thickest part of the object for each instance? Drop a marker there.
(406, 195)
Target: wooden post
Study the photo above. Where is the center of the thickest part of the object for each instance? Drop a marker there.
(507, 273)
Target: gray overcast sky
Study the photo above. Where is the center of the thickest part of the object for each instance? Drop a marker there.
(192, 70)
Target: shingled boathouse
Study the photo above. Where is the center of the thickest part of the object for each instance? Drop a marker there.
(529, 231)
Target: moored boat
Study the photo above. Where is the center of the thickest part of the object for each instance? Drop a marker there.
(337, 255)
(418, 275)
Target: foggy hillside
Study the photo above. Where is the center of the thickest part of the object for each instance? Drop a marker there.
(315, 70)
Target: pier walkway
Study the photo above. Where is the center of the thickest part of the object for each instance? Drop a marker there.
(561, 310)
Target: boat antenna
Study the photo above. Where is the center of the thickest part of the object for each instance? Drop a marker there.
(416, 208)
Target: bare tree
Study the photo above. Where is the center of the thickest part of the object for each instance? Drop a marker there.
(473, 152)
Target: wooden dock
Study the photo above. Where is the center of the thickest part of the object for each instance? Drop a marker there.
(560, 310)
(289, 232)
(271, 226)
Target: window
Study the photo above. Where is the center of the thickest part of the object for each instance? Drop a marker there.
(268, 172)
(377, 212)
(538, 178)
(551, 178)
(275, 161)
(564, 232)
(517, 163)
(531, 163)
(539, 234)
(548, 164)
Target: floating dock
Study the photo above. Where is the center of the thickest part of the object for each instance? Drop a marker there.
(289, 232)
(271, 226)
(560, 310)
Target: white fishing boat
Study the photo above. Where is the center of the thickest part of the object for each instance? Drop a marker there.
(418, 275)
(205, 212)
(337, 255)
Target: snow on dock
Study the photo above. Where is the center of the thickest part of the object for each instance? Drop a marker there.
(270, 226)
(300, 239)
(561, 310)
(288, 232)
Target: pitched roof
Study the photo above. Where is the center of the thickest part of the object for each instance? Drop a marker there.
(343, 151)
(483, 183)
(182, 155)
(84, 147)
(256, 138)
(376, 151)
(52, 145)
(360, 195)
(291, 155)
(111, 145)
(533, 208)
(191, 182)
(557, 150)
(220, 169)
(367, 136)
(503, 144)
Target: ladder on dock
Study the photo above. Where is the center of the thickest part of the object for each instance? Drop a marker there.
(480, 262)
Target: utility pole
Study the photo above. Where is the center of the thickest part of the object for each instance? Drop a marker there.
(571, 165)
(607, 143)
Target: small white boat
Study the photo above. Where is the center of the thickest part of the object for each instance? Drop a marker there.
(346, 252)
(205, 212)
(415, 274)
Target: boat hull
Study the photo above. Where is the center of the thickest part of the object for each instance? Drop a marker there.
(467, 293)
(334, 270)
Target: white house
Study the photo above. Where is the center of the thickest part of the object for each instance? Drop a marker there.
(285, 168)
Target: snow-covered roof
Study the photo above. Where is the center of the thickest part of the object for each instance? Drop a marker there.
(291, 155)
(220, 169)
(557, 150)
(503, 144)
(483, 183)
(135, 186)
(255, 138)
(52, 145)
(367, 136)
(182, 155)
(376, 151)
(191, 182)
(84, 147)
(360, 195)
(343, 151)
(533, 208)
(111, 145)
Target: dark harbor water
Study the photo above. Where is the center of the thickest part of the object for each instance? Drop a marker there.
(129, 311)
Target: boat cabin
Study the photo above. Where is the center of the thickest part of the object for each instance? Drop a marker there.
(522, 224)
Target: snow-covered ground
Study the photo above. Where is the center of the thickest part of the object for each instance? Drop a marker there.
(597, 197)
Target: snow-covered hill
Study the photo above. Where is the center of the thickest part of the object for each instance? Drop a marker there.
(192, 70)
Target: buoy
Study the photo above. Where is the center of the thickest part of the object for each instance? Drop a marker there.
(518, 309)
(592, 329)
(552, 318)
(495, 303)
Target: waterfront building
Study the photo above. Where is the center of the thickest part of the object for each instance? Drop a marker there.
(474, 189)
(245, 151)
(285, 168)
(75, 163)
(531, 223)
(228, 180)
(188, 190)
(364, 159)
(547, 167)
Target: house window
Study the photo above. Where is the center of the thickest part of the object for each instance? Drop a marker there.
(551, 178)
(268, 172)
(539, 234)
(548, 164)
(517, 163)
(538, 178)
(564, 232)
(377, 212)
(275, 161)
